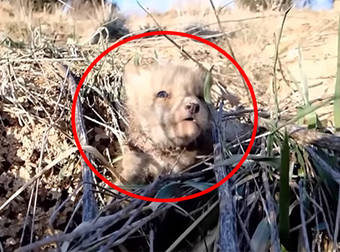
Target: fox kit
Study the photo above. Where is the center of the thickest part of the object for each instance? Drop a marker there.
(169, 121)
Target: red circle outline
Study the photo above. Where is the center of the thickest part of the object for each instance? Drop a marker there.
(148, 34)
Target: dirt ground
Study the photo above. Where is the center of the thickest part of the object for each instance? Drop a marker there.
(307, 57)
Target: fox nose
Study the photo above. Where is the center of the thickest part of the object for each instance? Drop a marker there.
(192, 107)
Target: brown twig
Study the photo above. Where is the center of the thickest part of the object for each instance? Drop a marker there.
(89, 202)
(229, 46)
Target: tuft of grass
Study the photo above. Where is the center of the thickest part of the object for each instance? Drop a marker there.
(284, 200)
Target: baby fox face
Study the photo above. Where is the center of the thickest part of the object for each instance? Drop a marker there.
(166, 104)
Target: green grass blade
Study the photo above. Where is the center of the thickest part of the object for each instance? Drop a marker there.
(168, 191)
(260, 240)
(337, 88)
(270, 144)
(192, 227)
(201, 186)
(310, 119)
(304, 81)
(137, 59)
(208, 81)
(305, 111)
(284, 192)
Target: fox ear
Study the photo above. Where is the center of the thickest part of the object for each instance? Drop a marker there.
(131, 68)
(131, 73)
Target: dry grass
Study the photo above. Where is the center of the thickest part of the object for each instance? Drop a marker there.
(285, 194)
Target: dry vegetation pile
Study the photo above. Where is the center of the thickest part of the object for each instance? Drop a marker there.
(285, 196)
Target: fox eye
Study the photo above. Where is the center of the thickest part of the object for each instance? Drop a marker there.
(162, 94)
